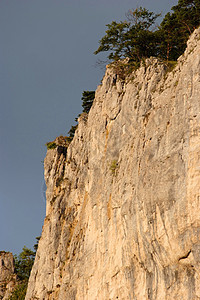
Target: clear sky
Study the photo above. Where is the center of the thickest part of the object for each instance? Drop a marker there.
(46, 61)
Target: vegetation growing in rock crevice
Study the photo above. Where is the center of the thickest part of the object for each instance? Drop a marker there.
(51, 145)
(113, 167)
(138, 37)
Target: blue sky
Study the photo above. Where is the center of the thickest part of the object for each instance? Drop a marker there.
(46, 61)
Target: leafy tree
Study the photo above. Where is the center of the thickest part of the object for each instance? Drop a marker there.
(132, 38)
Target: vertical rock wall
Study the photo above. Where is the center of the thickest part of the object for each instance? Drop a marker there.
(123, 200)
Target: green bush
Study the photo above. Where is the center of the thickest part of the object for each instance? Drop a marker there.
(51, 145)
(113, 167)
(19, 292)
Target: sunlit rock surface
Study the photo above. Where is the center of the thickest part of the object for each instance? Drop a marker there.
(123, 217)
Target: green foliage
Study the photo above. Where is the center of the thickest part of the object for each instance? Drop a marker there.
(35, 246)
(87, 100)
(177, 26)
(71, 133)
(137, 38)
(114, 40)
(19, 292)
(23, 263)
(124, 67)
(171, 64)
(51, 145)
(131, 38)
(72, 130)
(113, 167)
(188, 14)
(169, 48)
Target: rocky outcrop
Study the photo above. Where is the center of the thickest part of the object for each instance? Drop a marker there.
(7, 275)
(122, 218)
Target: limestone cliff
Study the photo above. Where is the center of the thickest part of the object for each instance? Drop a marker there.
(122, 218)
(8, 277)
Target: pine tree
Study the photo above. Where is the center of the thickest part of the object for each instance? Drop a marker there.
(177, 26)
(87, 100)
(24, 262)
(133, 38)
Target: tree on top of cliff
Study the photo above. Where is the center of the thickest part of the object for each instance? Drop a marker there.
(137, 38)
(177, 26)
(188, 14)
(131, 38)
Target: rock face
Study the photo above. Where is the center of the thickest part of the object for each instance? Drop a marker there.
(122, 218)
(7, 276)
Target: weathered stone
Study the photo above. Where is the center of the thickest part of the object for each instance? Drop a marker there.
(7, 275)
(122, 219)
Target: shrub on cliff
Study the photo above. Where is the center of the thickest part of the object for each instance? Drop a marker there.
(51, 145)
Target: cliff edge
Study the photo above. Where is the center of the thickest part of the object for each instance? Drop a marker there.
(122, 218)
